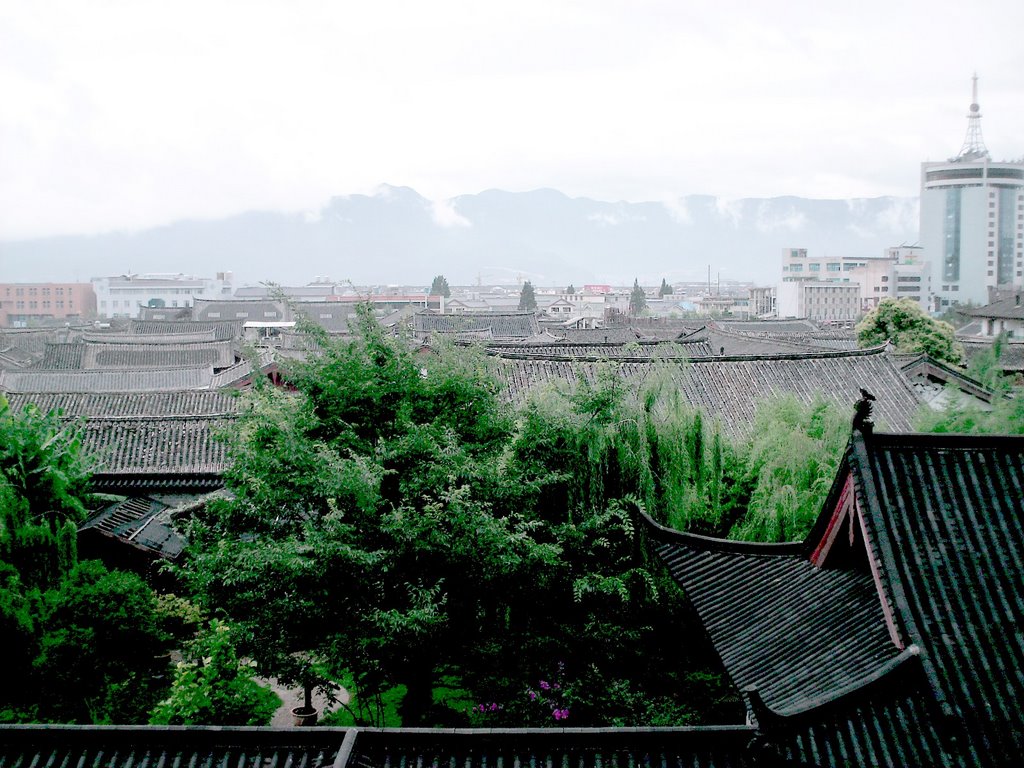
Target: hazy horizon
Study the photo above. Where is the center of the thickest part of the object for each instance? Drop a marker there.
(119, 118)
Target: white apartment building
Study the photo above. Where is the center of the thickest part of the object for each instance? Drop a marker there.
(123, 295)
(900, 273)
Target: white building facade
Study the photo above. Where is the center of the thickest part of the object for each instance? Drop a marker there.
(123, 295)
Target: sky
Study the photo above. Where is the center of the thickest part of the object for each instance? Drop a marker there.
(116, 115)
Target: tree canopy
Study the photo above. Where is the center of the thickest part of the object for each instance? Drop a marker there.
(637, 300)
(910, 329)
(527, 298)
(665, 289)
(440, 287)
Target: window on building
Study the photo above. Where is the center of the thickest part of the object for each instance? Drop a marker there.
(834, 267)
(814, 267)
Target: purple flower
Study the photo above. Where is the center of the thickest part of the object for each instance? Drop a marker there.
(556, 686)
(533, 695)
(494, 707)
(544, 685)
(481, 707)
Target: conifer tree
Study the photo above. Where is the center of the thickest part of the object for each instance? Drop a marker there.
(637, 300)
(527, 298)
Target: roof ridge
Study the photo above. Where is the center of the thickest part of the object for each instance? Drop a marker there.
(672, 536)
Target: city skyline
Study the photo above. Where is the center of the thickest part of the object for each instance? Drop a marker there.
(127, 117)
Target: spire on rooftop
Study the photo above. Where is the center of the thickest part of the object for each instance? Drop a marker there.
(974, 145)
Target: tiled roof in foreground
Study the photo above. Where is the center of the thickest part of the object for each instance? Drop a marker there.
(196, 747)
(780, 623)
(946, 513)
(730, 388)
(892, 634)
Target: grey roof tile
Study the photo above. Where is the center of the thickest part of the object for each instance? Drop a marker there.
(110, 380)
(730, 388)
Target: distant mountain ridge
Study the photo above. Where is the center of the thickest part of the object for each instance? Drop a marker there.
(397, 236)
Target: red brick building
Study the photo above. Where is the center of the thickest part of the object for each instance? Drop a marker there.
(27, 304)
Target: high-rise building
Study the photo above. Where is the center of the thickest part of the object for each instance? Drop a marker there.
(972, 220)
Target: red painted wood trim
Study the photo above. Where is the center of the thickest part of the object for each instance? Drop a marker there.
(839, 514)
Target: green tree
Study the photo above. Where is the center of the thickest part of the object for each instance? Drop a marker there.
(440, 287)
(665, 289)
(910, 329)
(101, 649)
(214, 687)
(571, 290)
(637, 300)
(527, 298)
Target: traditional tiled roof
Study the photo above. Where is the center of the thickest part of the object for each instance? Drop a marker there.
(614, 335)
(112, 380)
(739, 343)
(168, 746)
(223, 330)
(165, 313)
(730, 388)
(257, 310)
(946, 516)
(218, 354)
(891, 634)
(779, 622)
(153, 338)
(242, 371)
(773, 327)
(113, 405)
(1011, 358)
(121, 484)
(932, 380)
(138, 521)
(61, 356)
(498, 325)
(329, 315)
(705, 747)
(164, 444)
(1009, 308)
(566, 350)
(131, 746)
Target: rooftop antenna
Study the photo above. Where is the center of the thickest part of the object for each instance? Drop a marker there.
(974, 145)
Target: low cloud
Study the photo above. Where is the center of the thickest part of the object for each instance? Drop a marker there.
(730, 208)
(444, 214)
(678, 210)
(790, 220)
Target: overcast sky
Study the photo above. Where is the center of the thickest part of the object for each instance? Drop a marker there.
(121, 115)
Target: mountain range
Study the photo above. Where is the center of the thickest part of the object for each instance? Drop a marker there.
(397, 236)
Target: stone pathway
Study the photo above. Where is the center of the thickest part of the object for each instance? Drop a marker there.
(292, 697)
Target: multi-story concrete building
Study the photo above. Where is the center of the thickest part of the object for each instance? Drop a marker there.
(972, 221)
(122, 296)
(27, 304)
(900, 273)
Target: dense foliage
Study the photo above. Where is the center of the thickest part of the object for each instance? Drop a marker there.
(212, 686)
(396, 525)
(84, 642)
(910, 330)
